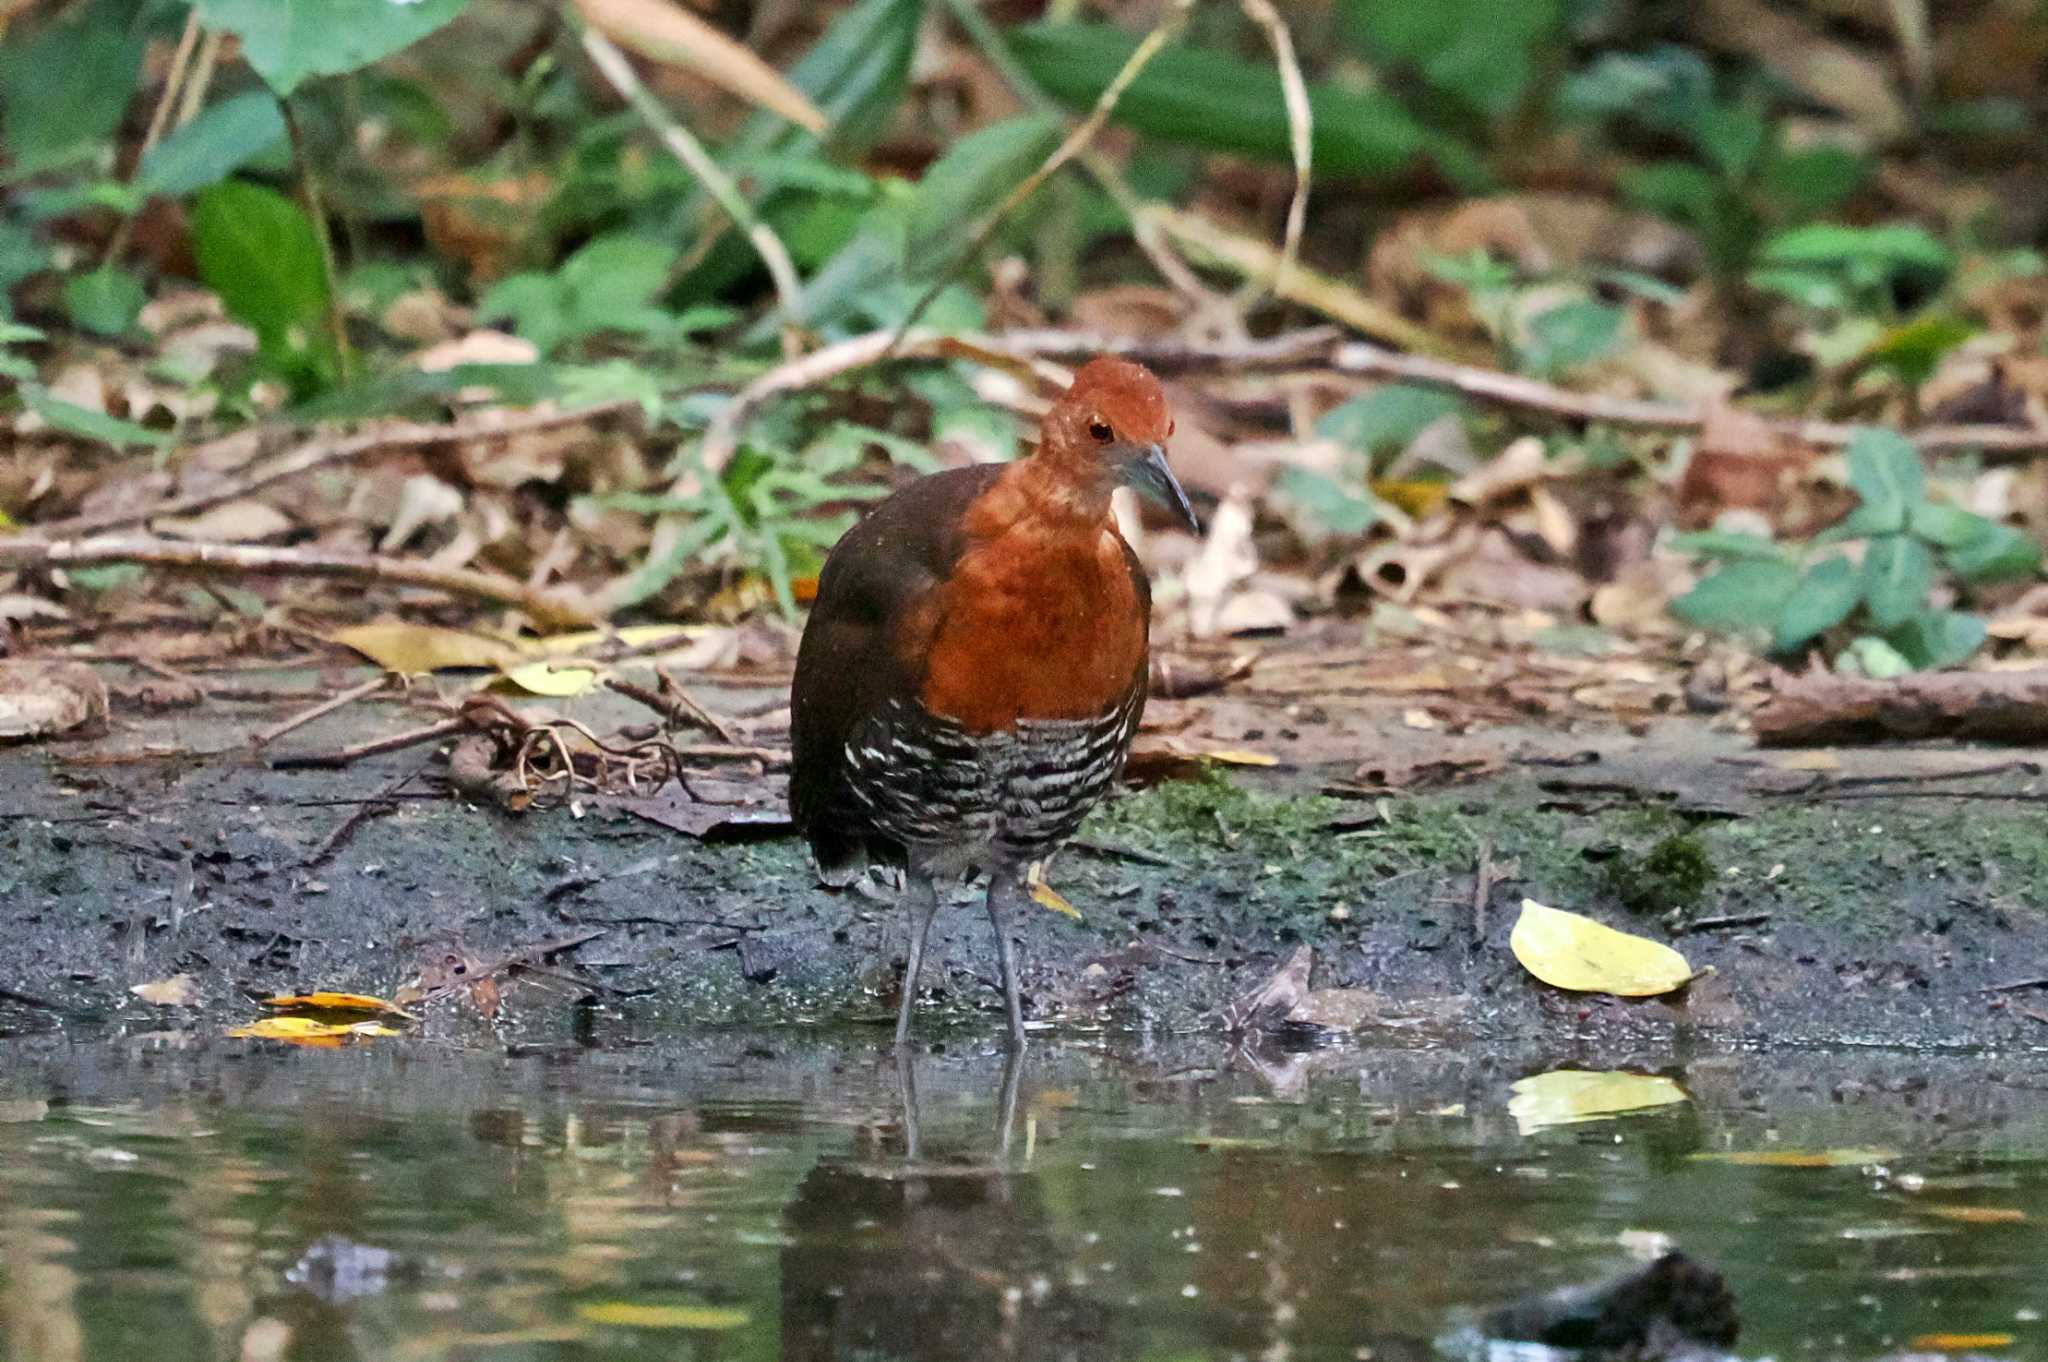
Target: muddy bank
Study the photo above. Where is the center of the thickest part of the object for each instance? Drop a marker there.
(1878, 899)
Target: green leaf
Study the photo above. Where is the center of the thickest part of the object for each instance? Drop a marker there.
(1937, 638)
(1387, 417)
(1872, 657)
(1912, 351)
(2000, 553)
(1570, 335)
(1897, 573)
(1727, 546)
(1823, 599)
(1211, 99)
(1885, 470)
(63, 91)
(73, 419)
(1750, 594)
(212, 146)
(855, 74)
(1477, 52)
(257, 250)
(105, 301)
(1945, 526)
(970, 179)
(291, 41)
(1833, 244)
(1340, 509)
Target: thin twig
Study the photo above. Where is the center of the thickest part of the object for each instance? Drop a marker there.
(376, 747)
(1482, 890)
(159, 119)
(383, 802)
(320, 711)
(309, 199)
(676, 708)
(684, 146)
(1720, 924)
(552, 608)
(317, 453)
(1300, 132)
(1076, 141)
(200, 80)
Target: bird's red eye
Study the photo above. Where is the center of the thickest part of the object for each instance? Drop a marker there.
(1101, 431)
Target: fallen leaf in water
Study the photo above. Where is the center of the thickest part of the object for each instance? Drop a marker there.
(1045, 896)
(38, 698)
(1960, 1343)
(408, 649)
(1797, 1158)
(555, 680)
(310, 1031)
(334, 1002)
(1568, 951)
(1568, 1096)
(1979, 1215)
(634, 1316)
(180, 990)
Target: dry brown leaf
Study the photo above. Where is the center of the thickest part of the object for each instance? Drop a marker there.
(408, 649)
(39, 698)
(666, 32)
(233, 522)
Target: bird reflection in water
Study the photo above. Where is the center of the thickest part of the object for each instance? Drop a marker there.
(937, 1255)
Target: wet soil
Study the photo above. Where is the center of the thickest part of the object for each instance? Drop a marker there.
(1890, 898)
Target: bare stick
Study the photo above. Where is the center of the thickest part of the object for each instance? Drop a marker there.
(379, 804)
(321, 453)
(309, 199)
(159, 119)
(320, 711)
(376, 747)
(251, 560)
(676, 707)
(1077, 141)
(1300, 130)
(684, 146)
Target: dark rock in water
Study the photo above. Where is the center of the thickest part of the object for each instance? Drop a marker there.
(1673, 1306)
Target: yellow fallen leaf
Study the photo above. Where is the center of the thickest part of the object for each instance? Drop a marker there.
(1238, 756)
(1044, 895)
(180, 990)
(411, 648)
(1980, 1215)
(1565, 950)
(1960, 1343)
(1820, 760)
(635, 1316)
(555, 680)
(1797, 1158)
(1416, 498)
(310, 1031)
(632, 636)
(321, 1001)
(1568, 1096)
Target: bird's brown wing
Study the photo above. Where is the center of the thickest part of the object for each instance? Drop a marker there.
(849, 666)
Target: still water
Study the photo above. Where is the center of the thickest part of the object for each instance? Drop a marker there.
(783, 1196)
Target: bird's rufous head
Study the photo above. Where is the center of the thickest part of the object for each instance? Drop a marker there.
(1110, 427)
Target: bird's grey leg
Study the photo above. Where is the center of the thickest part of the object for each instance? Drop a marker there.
(906, 1080)
(1004, 887)
(921, 899)
(1006, 1100)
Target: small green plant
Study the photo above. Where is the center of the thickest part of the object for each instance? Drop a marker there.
(1673, 873)
(1876, 606)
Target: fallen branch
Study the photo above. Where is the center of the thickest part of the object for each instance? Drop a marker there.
(376, 747)
(321, 452)
(253, 560)
(1819, 709)
(320, 711)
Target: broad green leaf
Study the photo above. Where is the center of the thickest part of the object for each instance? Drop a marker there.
(21, 255)
(1823, 599)
(970, 179)
(257, 250)
(1897, 572)
(1872, 657)
(1913, 350)
(212, 146)
(1811, 181)
(1570, 335)
(1477, 52)
(63, 90)
(1726, 545)
(105, 301)
(1749, 594)
(1212, 99)
(291, 41)
(1945, 526)
(1885, 470)
(1938, 638)
(2000, 553)
(1342, 509)
(1829, 243)
(855, 74)
(1566, 950)
(1387, 417)
(73, 419)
